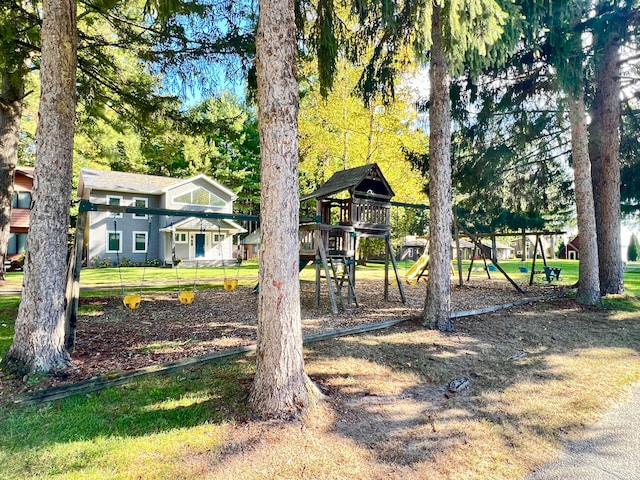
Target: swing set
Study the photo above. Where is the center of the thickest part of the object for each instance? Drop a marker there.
(132, 301)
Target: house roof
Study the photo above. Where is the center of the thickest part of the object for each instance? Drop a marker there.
(192, 223)
(26, 171)
(126, 182)
(575, 243)
(122, 182)
(252, 239)
(204, 177)
(352, 178)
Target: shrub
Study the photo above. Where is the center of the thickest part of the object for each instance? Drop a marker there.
(101, 262)
(125, 262)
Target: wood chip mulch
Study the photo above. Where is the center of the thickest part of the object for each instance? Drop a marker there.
(111, 338)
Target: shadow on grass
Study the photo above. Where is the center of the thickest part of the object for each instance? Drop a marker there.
(389, 389)
(534, 374)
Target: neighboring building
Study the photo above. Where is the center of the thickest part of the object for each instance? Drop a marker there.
(571, 250)
(20, 214)
(547, 246)
(412, 248)
(250, 245)
(139, 238)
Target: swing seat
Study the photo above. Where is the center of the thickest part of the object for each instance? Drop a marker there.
(230, 284)
(186, 298)
(132, 302)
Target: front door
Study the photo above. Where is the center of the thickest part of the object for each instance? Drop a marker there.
(199, 244)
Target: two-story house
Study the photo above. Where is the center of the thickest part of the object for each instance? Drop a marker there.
(20, 213)
(110, 237)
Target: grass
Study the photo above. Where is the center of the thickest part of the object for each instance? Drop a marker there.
(145, 427)
(8, 312)
(386, 416)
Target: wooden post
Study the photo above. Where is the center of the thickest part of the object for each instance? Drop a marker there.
(395, 269)
(544, 257)
(73, 282)
(327, 273)
(458, 253)
(533, 261)
(473, 256)
(386, 269)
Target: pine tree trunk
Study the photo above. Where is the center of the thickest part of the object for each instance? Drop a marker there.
(10, 116)
(438, 301)
(38, 343)
(604, 150)
(280, 388)
(588, 282)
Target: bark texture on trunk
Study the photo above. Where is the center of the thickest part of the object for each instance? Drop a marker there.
(38, 343)
(281, 388)
(604, 150)
(437, 307)
(588, 281)
(11, 97)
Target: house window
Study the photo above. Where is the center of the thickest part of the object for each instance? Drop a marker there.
(140, 202)
(114, 242)
(218, 237)
(180, 237)
(21, 200)
(113, 200)
(199, 196)
(140, 240)
(17, 243)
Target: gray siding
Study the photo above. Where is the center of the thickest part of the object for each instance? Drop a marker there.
(102, 223)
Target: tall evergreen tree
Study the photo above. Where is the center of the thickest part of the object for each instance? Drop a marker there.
(454, 40)
(437, 307)
(632, 249)
(38, 343)
(281, 388)
(568, 60)
(611, 27)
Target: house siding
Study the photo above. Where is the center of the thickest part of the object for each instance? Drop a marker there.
(102, 223)
(174, 192)
(20, 217)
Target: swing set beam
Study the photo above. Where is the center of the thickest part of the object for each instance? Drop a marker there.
(87, 206)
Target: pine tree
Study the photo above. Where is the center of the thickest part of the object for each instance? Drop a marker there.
(281, 388)
(632, 249)
(38, 343)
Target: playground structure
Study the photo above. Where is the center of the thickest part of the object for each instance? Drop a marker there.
(351, 205)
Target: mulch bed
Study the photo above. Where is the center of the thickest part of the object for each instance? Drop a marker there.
(111, 338)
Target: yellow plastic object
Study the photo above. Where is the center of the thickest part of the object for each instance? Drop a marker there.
(186, 298)
(132, 301)
(417, 269)
(230, 284)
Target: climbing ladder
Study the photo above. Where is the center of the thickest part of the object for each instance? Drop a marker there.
(342, 273)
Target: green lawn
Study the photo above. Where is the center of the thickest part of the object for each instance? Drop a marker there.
(247, 273)
(124, 432)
